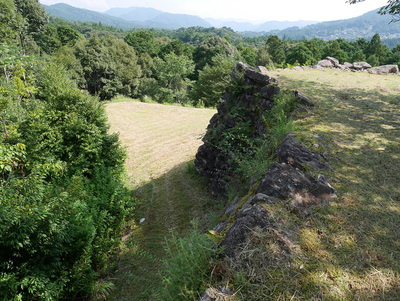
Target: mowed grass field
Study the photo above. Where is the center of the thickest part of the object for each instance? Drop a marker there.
(161, 142)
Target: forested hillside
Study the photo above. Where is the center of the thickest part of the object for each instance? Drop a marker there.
(364, 26)
(63, 199)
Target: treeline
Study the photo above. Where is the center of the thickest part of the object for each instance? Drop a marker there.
(188, 65)
(62, 198)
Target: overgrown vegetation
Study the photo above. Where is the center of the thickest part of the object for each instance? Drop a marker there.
(187, 270)
(62, 197)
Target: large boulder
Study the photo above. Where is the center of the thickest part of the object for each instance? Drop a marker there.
(325, 64)
(296, 154)
(361, 66)
(335, 62)
(301, 190)
(246, 221)
(386, 69)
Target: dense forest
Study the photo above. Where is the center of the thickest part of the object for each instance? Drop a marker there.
(62, 196)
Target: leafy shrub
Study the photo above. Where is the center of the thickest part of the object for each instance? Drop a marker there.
(62, 200)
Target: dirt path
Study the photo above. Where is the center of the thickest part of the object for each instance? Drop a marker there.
(161, 142)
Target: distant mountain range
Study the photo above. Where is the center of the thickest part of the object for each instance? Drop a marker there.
(364, 26)
(152, 18)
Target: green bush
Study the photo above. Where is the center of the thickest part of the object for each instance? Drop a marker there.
(62, 199)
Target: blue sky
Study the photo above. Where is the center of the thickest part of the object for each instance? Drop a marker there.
(255, 10)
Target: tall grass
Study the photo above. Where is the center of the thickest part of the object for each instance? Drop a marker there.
(187, 269)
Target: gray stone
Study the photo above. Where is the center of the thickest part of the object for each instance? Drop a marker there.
(360, 66)
(303, 99)
(296, 154)
(386, 69)
(246, 220)
(263, 70)
(301, 190)
(258, 77)
(325, 63)
(335, 62)
(347, 65)
(214, 294)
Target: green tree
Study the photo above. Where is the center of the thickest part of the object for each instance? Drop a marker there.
(276, 49)
(211, 47)
(34, 14)
(109, 65)
(143, 41)
(248, 54)
(376, 52)
(177, 47)
(333, 49)
(212, 82)
(11, 22)
(263, 56)
(172, 74)
(301, 54)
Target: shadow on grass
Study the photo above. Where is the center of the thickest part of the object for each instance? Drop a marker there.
(168, 203)
(358, 234)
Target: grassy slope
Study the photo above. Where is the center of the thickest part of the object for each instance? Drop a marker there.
(351, 247)
(161, 142)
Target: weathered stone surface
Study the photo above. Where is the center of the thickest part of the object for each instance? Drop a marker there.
(296, 154)
(258, 77)
(386, 69)
(215, 162)
(263, 70)
(359, 66)
(269, 91)
(347, 65)
(288, 183)
(246, 220)
(335, 62)
(325, 64)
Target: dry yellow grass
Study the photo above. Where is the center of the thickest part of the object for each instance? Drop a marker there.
(157, 137)
(161, 142)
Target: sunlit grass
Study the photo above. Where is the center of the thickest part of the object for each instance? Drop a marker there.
(349, 249)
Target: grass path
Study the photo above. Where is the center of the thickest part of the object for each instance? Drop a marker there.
(161, 142)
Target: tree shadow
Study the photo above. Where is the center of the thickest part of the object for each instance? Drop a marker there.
(169, 203)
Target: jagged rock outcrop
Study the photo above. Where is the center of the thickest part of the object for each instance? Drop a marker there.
(287, 183)
(244, 109)
(292, 182)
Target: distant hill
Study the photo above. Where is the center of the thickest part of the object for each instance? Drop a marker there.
(151, 17)
(140, 14)
(266, 26)
(74, 14)
(364, 26)
(126, 18)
